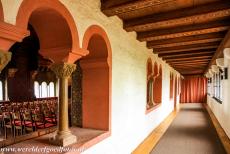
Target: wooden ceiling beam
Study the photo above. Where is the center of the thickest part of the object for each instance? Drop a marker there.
(189, 66)
(191, 62)
(181, 31)
(187, 69)
(191, 15)
(188, 58)
(129, 5)
(188, 38)
(197, 72)
(149, 45)
(184, 54)
(183, 48)
(106, 4)
(191, 56)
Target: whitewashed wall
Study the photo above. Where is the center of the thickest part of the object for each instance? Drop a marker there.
(130, 124)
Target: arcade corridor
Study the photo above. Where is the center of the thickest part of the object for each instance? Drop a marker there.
(115, 76)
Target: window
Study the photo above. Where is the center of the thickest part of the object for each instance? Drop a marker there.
(51, 89)
(217, 86)
(209, 89)
(36, 89)
(44, 90)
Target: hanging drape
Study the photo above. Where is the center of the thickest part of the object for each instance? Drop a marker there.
(194, 90)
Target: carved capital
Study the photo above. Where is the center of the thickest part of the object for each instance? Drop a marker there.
(63, 70)
(5, 57)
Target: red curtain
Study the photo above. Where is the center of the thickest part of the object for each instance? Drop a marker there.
(194, 90)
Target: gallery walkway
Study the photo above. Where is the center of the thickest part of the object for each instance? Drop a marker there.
(191, 132)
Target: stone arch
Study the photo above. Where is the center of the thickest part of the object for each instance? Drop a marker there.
(56, 42)
(96, 79)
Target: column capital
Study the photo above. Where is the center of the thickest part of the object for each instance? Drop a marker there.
(63, 70)
(5, 57)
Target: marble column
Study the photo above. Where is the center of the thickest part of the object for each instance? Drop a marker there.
(63, 71)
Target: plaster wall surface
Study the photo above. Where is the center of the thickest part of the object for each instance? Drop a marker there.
(222, 111)
(129, 123)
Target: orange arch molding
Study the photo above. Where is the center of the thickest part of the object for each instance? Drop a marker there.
(90, 32)
(1, 12)
(28, 6)
(95, 29)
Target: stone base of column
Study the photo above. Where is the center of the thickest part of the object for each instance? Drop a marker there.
(64, 138)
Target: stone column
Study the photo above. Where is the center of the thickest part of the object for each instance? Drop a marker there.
(63, 71)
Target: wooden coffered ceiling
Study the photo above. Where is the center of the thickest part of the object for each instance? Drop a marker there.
(187, 34)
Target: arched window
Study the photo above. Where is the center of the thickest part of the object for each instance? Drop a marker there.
(36, 89)
(44, 90)
(158, 87)
(51, 89)
(1, 91)
(171, 85)
(149, 84)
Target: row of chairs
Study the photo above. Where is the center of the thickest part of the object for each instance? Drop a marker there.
(25, 117)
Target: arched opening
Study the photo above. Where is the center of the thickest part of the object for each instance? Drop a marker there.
(53, 38)
(54, 26)
(19, 71)
(158, 87)
(175, 92)
(171, 86)
(149, 84)
(96, 79)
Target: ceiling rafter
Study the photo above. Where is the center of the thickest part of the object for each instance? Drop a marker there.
(189, 35)
(185, 54)
(210, 27)
(188, 58)
(132, 6)
(188, 38)
(184, 48)
(191, 56)
(174, 18)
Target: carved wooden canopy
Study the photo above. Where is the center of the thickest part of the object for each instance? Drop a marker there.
(188, 34)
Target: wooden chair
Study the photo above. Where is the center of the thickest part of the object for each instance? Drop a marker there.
(8, 123)
(28, 121)
(18, 123)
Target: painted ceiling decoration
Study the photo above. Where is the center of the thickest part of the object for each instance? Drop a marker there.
(188, 34)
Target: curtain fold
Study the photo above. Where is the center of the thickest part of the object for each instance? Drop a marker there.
(193, 90)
